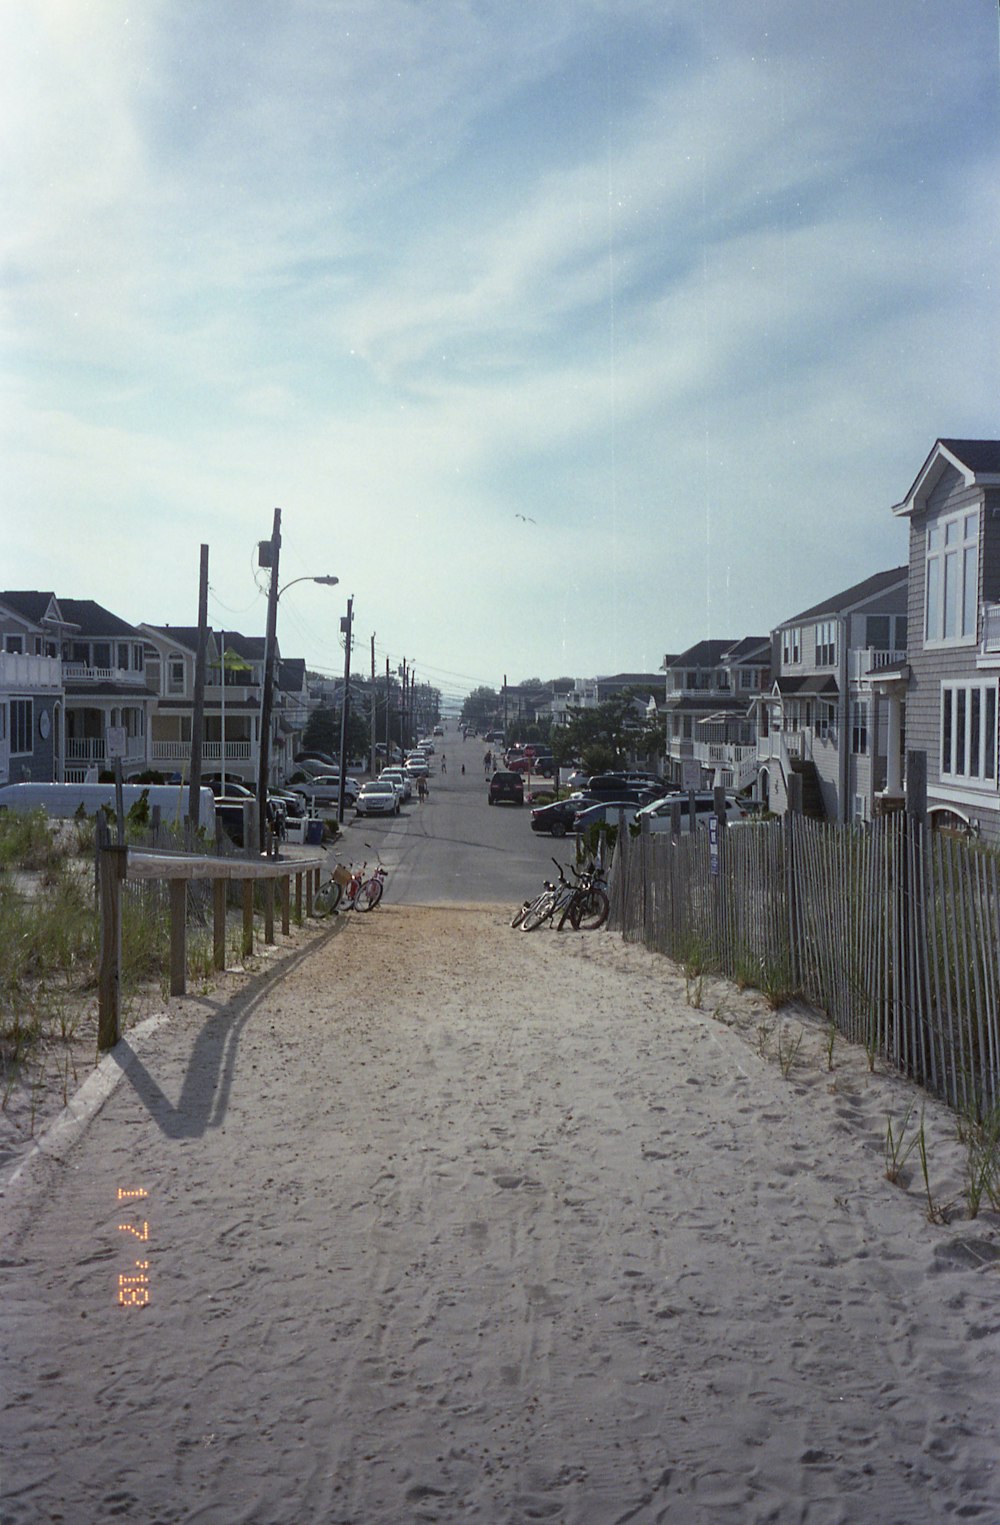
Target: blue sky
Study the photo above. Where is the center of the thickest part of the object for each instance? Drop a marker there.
(693, 287)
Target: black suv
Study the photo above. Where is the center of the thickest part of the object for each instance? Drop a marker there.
(507, 786)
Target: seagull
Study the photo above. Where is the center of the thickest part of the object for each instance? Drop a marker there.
(527, 518)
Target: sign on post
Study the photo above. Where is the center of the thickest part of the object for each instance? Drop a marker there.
(690, 774)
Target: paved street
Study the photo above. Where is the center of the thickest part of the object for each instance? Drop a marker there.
(455, 847)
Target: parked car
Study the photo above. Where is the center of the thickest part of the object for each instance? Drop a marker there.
(657, 816)
(417, 766)
(506, 786)
(379, 796)
(577, 779)
(615, 786)
(558, 817)
(399, 776)
(611, 812)
(427, 747)
(325, 790)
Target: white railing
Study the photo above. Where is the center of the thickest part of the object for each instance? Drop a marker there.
(991, 629)
(78, 672)
(211, 751)
(864, 660)
(20, 670)
(94, 749)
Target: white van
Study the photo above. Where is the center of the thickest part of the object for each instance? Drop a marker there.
(64, 800)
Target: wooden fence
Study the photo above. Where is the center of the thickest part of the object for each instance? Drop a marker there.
(179, 870)
(890, 929)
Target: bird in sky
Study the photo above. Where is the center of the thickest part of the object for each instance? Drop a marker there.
(527, 518)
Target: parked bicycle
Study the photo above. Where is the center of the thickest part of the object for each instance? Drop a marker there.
(357, 889)
(584, 904)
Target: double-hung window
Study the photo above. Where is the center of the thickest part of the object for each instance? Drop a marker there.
(826, 644)
(951, 564)
(22, 715)
(791, 647)
(859, 727)
(969, 732)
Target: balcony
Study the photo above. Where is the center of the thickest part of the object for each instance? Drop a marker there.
(92, 751)
(211, 751)
(989, 644)
(23, 672)
(865, 660)
(121, 677)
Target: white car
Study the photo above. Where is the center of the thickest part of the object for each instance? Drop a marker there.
(325, 790)
(378, 797)
(417, 766)
(657, 816)
(398, 776)
(427, 747)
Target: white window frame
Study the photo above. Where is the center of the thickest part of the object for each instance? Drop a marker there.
(22, 727)
(791, 646)
(968, 751)
(826, 644)
(951, 580)
(860, 728)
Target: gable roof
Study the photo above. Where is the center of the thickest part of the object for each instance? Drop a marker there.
(181, 635)
(94, 620)
(34, 606)
(703, 654)
(976, 460)
(850, 598)
(750, 646)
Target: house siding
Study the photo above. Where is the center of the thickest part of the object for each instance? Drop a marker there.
(932, 667)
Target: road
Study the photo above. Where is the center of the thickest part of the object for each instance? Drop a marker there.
(454, 847)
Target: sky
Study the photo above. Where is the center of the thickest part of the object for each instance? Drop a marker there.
(565, 334)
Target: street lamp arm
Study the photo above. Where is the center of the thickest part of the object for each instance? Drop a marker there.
(327, 582)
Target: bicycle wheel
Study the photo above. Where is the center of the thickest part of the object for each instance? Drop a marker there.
(539, 911)
(519, 914)
(369, 895)
(327, 898)
(590, 910)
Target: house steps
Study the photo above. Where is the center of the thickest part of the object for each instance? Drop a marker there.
(812, 794)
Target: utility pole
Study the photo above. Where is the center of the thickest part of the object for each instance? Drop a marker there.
(372, 736)
(198, 713)
(345, 626)
(388, 730)
(267, 556)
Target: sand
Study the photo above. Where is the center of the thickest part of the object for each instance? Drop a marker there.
(447, 1222)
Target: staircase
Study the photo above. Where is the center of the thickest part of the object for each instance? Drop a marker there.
(812, 794)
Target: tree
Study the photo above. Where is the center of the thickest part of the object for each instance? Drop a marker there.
(322, 732)
(481, 708)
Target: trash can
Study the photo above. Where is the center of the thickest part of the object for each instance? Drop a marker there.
(314, 833)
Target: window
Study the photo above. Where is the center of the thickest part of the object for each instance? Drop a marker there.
(951, 596)
(969, 731)
(14, 644)
(123, 655)
(791, 647)
(175, 679)
(859, 727)
(877, 632)
(826, 644)
(22, 717)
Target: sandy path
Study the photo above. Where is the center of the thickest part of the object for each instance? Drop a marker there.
(451, 1223)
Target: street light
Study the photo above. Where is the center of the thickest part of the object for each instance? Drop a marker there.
(268, 689)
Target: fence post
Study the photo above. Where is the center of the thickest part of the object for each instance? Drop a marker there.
(178, 936)
(111, 866)
(298, 898)
(219, 887)
(285, 899)
(269, 910)
(247, 917)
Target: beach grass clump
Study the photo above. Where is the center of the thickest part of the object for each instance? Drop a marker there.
(898, 1146)
(27, 841)
(788, 1050)
(777, 983)
(979, 1131)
